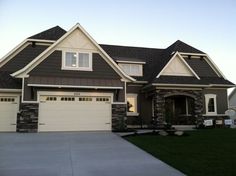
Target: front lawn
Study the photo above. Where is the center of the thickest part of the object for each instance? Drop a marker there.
(208, 152)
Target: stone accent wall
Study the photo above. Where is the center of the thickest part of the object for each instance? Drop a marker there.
(119, 117)
(159, 103)
(27, 118)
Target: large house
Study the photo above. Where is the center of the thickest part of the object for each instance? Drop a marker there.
(61, 80)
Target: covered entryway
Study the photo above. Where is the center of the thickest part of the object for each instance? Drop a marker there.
(9, 105)
(74, 113)
(179, 110)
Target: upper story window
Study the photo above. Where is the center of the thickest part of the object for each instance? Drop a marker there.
(210, 102)
(77, 61)
(132, 69)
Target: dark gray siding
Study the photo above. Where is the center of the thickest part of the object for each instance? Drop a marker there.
(144, 107)
(221, 99)
(201, 67)
(23, 58)
(30, 93)
(51, 66)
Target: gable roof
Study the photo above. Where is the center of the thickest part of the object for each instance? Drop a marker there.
(53, 33)
(184, 63)
(23, 72)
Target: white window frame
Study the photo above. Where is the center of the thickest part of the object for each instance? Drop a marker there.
(77, 67)
(207, 98)
(135, 96)
(130, 74)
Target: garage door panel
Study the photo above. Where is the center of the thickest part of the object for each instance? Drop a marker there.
(75, 115)
(8, 113)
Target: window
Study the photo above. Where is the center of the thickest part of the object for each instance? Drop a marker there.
(77, 61)
(210, 102)
(85, 99)
(132, 104)
(132, 69)
(102, 99)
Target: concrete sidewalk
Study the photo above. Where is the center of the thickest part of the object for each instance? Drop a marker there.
(76, 154)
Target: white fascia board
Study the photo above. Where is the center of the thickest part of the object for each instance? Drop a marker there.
(222, 85)
(130, 62)
(6, 58)
(180, 85)
(72, 86)
(193, 54)
(11, 90)
(41, 57)
(39, 40)
(177, 54)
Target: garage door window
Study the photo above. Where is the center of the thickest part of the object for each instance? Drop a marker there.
(67, 99)
(104, 99)
(51, 99)
(85, 99)
(7, 99)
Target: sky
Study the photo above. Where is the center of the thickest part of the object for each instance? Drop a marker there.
(208, 25)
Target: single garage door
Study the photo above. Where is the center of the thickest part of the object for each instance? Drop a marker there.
(8, 112)
(71, 113)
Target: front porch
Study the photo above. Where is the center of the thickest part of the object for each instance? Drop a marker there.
(177, 107)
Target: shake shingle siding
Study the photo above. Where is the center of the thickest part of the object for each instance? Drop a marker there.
(52, 66)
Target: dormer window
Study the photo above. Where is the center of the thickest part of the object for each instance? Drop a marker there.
(77, 61)
(132, 69)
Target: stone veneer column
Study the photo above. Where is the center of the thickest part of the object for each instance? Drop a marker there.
(119, 117)
(27, 119)
(159, 103)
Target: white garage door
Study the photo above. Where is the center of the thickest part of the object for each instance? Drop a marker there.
(8, 112)
(71, 113)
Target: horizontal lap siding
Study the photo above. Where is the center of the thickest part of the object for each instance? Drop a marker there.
(51, 66)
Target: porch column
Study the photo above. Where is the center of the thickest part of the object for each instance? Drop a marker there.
(159, 107)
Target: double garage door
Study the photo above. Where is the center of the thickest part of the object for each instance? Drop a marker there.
(74, 113)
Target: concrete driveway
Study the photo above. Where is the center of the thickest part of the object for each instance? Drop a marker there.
(76, 154)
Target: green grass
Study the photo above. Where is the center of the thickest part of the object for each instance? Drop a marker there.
(208, 152)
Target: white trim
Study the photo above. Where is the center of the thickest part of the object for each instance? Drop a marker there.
(22, 87)
(130, 65)
(181, 85)
(72, 86)
(186, 64)
(193, 54)
(207, 98)
(131, 62)
(13, 52)
(132, 114)
(11, 90)
(77, 67)
(182, 88)
(24, 71)
(40, 40)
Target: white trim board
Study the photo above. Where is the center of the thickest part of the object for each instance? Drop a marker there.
(131, 62)
(11, 90)
(24, 71)
(73, 86)
(184, 62)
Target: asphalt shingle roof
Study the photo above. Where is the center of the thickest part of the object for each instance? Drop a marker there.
(50, 34)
